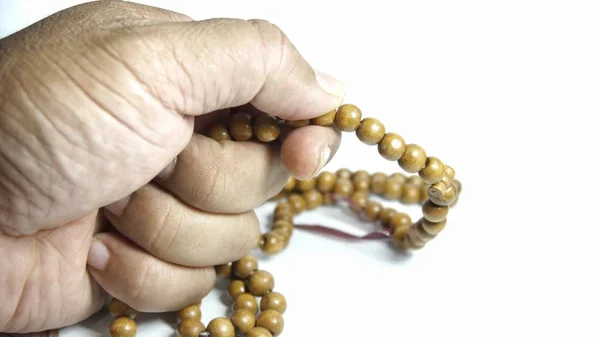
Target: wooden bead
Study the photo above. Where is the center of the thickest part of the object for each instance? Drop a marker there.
(284, 208)
(415, 180)
(399, 220)
(306, 185)
(343, 187)
(433, 212)
(240, 126)
(271, 320)
(273, 243)
(285, 234)
(442, 196)
(266, 128)
(260, 283)
(313, 199)
(386, 214)
(290, 184)
(298, 203)
(411, 194)
(348, 118)
(417, 243)
(324, 120)
(223, 270)
(190, 312)
(400, 231)
(325, 181)
(328, 199)
(393, 189)
(433, 171)
(343, 173)
(424, 193)
(273, 301)
(221, 327)
(299, 123)
(378, 181)
(370, 131)
(361, 185)
(360, 174)
(118, 309)
(284, 216)
(457, 185)
(258, 332)
(283, 224)
(433, 228)
(413, 159)
(190, 328)
(245, 301)
(243, 320)
(372, 210)
(421, 233)
(392, 146)
(359, 201)
(399, 177)
(236, 288)
(245, 266)
(123, 327)
(218, 132)
(448, 176)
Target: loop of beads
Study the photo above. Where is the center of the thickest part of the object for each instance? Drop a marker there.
(433, 186)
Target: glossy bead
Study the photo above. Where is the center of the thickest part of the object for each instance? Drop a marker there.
(415, 180)
(399, 177)
(284, 207)
(258, 332)
(298, 203)
(399, 220)
(372, 210)
(218, 132)
(325, 181)
(236, 288)
(290, 184)
(123, 327)
(283, 223)
(273, 301)
(378, 181)
(245, 301)
(221, 327)
(393, 189)
(400, 231)
(260, 283)
(328, 199)
(386, 214)
(266, 128)
(245, 266)
(343, 173)
(433, 212)
(240, 126)
(324, 120)
(243, 320)
(457, 185)
(413, 159)
(392, 146)
(360, 174)
(370, 131)
(433, 171)
(313, 199)
(415, 240)
(298, 123)
(343, 187)
(190, 312)
(442, 196)
(421, 233)
(118, 309)
(361, 185)
(424, 193)
(306, 185)
(358, 201)
(190, 328)
(411, 194)
(448, 176)
(285, 234)
(273, 243)
(286, 216)
(271, 320)
(223, 270)
(433, 228)
(348, 118)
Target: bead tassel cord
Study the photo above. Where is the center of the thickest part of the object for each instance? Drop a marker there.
(433, 186)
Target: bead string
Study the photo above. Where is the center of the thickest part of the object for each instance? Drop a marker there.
(434, 188)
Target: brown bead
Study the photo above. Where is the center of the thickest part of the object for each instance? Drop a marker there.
(190, 328)
(421, 233)
(424, 193)
(378, 181)
(260, 283)
(415, 180)
(442, 196)
(245, 301)
(324, 120)
(283, 207)
(325, 181)
(343, 173)
(299, 123)
(287, 216)
(392, 146)
(243, 320)
(433, 228)
(236, 288)
(273, 301)
(271, 320)
(223, 270)
(266, 128)
(218, 132)
(328, 199)
(393, 189)
(343, 187)
(221, 327)
(348, 118)
(399, 177)
(448, 176)
(240, 126)
(290, 184)
(433, 171)
(273, 243)
(245, 266)
(399, 220)
(298, 203)
(400, 231)
(285, 234)
(306, 185)
(433, 212)
(313, 199)
(372, 210)
(360, 174)
(190, 312)
(280, 223)
(118, 309)
(411, 194)
(370, 131)
(386, 214)
(123, 327)
(414, 239)
(413, 159)
(361, 185)
(258, 332)
(457, 185)
(359, 201)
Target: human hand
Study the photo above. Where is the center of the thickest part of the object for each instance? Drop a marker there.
(101, 104)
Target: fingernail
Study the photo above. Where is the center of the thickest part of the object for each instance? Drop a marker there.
(323, 158)
(118, 207)
(98, 255)
(330, 84)
(166, 172)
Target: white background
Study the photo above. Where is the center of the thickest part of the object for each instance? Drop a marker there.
(508, 93)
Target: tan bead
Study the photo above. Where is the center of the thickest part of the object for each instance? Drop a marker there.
(273, 243)
(285, 234)
(273, 301)
(421, 233)
(223, 270)
(399, 220)
(313, 199)
(325, 181)
(448, 176)
(399, 177)
(266, 128)
(393, 189)
(413, 159)
(433, 228)
(298, 203)
(424, 193)
(218, 132)
(123, 327)
(243, 320)
(343, 173)
(284, 216)
(258, 332)
(433, 212)
(372, 210)
(245, 301)
(378, 181)
(359, 201)
(221, 327)
(284, 207)
(260, 283)
(415, 180)
(457, 185)
(190, 312)
(392, 146)
(411, 194)
(415, 240)
(348, 117)
(386, 214)
(245, 266)
(360, 174)
(306, 185)
(399, 232)
(118, 309)
(442, 196)
(343, 187)
(328, 199)
(279, 223)
(433, 171)
(299, 123)
(290, 184)
(190, 328)
(361, 185)
(271, 320)
(370, 131)
(324, 120)
(240, 126)
(236, 288)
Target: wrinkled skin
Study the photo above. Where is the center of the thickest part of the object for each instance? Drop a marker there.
(101, 105)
